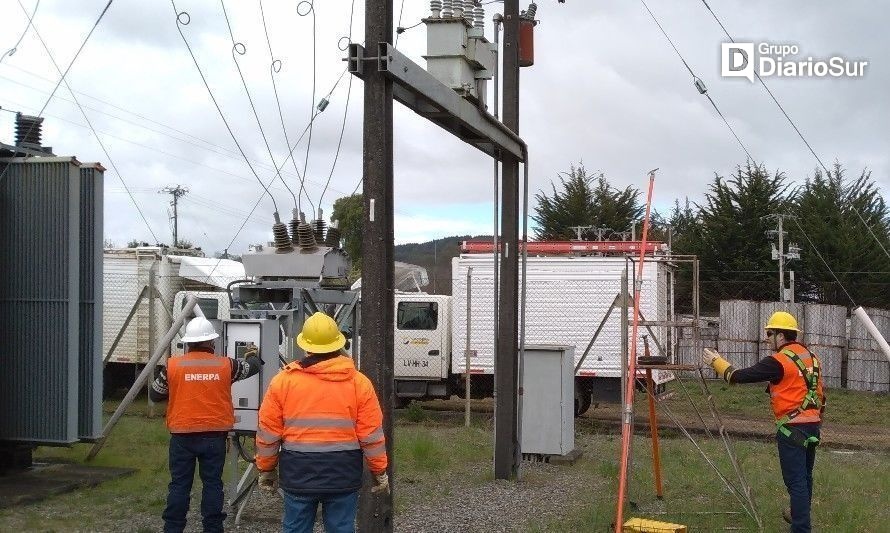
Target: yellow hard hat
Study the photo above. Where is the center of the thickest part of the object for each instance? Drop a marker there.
(320, 335)
(782, 320)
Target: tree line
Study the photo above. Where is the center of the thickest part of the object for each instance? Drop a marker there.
(831, 215)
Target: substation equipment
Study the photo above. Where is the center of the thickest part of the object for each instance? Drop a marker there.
(286, 282)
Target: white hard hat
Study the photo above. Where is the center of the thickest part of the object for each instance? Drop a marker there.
(199, 329)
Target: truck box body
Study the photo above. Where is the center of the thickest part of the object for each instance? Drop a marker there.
(126, 272)
(567, 298)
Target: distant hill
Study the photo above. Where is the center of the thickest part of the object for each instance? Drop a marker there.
(435, 256)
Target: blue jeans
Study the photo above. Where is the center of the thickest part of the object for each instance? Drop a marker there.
(337, 511)
(797, 472)
(210, 453)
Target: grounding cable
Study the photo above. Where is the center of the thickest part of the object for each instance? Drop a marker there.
(345, 112)
(93, 130)
(274, 68)
(238, 48)
(796, 129)
(183, 19)
(15, 47)
(699, 84)
(62, 77)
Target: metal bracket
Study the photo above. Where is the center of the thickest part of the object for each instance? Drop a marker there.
(420, 91)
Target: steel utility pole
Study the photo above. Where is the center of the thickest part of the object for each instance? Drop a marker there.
(375, 509)
(176, 192)
(506, 431)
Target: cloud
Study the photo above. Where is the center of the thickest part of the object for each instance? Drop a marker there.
(606, 89)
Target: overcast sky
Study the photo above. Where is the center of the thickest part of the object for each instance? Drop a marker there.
(606, 89)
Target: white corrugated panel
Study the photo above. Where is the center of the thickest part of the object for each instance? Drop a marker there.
(567, 299)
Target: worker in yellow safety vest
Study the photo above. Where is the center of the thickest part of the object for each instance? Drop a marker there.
(798, 400)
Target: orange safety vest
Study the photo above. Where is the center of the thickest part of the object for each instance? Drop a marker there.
(200, 386)
(788, 395)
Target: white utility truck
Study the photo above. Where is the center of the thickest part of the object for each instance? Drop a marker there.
(567, 297)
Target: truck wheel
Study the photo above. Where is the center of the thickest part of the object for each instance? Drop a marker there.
(582, 401)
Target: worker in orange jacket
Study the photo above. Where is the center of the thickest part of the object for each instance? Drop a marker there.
(795, 388)
(319, 422)
(199, 416)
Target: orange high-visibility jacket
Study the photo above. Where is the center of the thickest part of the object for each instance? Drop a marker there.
(200, 386)
(788, 395)
(319, 421)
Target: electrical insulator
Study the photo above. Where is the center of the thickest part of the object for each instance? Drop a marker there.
(480, 16)
(295, 221)
(458, 9)
(333, 237)
(700, 85)
(447, 6)
(305, 236)
(318, 227)
(531, 11)
(436, 8)
(282, 239)
(323, 104)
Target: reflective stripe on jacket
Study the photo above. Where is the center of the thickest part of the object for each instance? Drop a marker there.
(318, 424)
(788, 395)
(200, 385)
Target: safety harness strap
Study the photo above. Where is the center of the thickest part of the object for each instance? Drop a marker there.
(811, 400)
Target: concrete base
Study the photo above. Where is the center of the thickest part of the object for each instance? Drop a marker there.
(568, 459)
(44, 480)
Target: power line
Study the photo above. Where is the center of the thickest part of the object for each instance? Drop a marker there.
(110, 104)
(272, 72)
(14, 49)
(345, 112)
(399, 24)
(699, 84)
(793, 125)
(314, 72)
(62, 77)
(824, 262)
(183, 19)
(92, 129)
(239, 48)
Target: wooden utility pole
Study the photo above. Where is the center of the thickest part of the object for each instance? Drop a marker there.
(506, 432)
(375, 509)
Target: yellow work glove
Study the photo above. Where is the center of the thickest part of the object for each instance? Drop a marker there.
(268, 481)
(714, 360)
(381, 483)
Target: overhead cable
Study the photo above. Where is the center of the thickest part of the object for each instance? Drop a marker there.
(824, 262)
(343, 123)
(15, 47)
(274, 68)
(183, 19)
(699, 84)
(93, 130)
(314, 106)
(62, 77)
(238, 48)
(796, 129)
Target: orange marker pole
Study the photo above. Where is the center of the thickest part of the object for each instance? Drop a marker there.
(627, 414)
(653, 432)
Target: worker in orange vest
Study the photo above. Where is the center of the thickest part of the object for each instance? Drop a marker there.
(798, 399)
(319, 422)
(199, 416)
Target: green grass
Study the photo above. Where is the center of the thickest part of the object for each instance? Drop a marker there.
(751, 401)
(844, 492)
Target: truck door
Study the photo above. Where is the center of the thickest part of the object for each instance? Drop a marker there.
(419, 335)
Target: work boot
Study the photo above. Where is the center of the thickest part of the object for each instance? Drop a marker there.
(786, 514)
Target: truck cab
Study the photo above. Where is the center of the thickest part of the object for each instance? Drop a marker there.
(422, 341)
